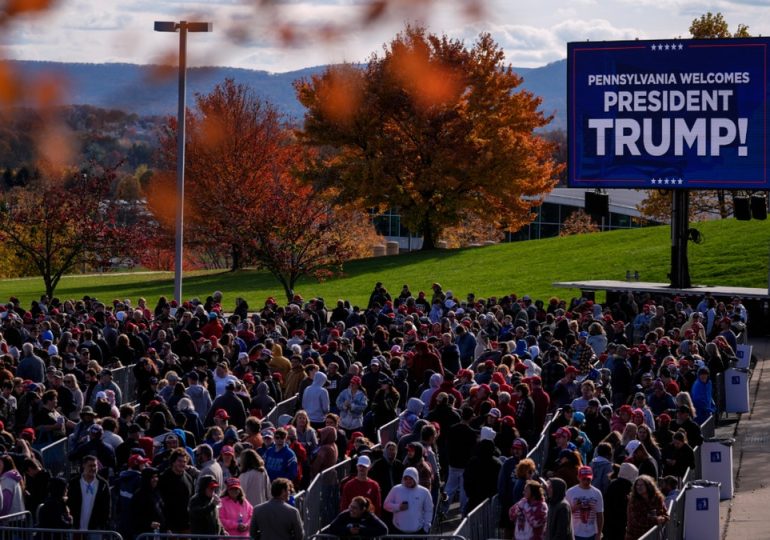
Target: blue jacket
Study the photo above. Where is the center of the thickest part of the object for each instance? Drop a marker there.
(701, 395)
(280, 463)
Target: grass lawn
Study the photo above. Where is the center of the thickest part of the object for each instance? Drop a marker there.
(734, 253)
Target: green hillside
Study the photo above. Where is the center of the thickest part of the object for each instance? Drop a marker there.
(734, 253)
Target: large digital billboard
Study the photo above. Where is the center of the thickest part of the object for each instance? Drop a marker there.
(689, 114)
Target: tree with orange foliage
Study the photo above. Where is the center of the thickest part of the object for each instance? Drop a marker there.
(578, 222)
(302, 232)
(432, 128)
(235, 143)
(60, 221)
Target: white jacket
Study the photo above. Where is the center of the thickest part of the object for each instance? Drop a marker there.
(419, 515)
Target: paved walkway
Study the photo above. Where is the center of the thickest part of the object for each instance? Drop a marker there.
(747, 515)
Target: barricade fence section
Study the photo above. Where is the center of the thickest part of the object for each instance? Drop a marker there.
(19, 519)
(674, 529)
(387, 433)
(184, 536)
(33, 533)
(124, 378)
(323, 496)
(539, 453)
(481, 522)
(324, 536)
(287, 406)
(55, 458)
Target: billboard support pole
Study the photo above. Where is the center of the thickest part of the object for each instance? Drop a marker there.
(680, 209)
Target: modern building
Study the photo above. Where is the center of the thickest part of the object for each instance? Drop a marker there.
(557, 207)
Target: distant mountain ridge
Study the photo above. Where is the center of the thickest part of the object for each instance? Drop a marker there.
(152, 90)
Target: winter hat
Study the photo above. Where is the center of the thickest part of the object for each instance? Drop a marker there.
(632, 446)
(487, 434)
(628, 471)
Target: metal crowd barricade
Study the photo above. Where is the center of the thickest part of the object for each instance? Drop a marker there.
(19, 519)
(124, 378)
(387, 433)
(708, 427)
(324, 492)
(539, 453)
(35, 533)
(184, 536)
(325, 536)
(675, 526)
(481, 522)
(300, 503)
(287, 406)
(55, 458)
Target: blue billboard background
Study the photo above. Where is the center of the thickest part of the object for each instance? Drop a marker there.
(668, 114)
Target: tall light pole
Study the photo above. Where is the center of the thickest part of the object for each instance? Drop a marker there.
(182, 27)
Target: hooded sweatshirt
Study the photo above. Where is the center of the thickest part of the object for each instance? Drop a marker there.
(204, 514)
(506, 481)
(13, 498)
(315, 399)
(435, 381)
(327, 451)
(410, 416)
(559, 525)
(262, 403)
(418, 515)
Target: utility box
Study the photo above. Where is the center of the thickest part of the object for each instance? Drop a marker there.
(701, 510)
(716, 461)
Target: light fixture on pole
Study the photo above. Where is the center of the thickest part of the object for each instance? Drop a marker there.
(182, 27)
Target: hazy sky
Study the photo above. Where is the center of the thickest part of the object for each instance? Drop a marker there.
(532, 32)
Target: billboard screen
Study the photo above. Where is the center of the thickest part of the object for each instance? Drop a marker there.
(689, 114)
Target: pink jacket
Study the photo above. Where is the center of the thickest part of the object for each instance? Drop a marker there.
(229, 512)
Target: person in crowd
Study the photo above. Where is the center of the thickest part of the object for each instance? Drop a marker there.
(702, 396)
(203, 507)
(641, 458)
(146, 511)
(678, 457)
(601, 466)
(235, 511)
(125, 486)
(255, 482)
(616, 499)
(352, 403)
(362, 485)
(276, 519)
(315, 400)
(559, 523)
(207, 465)
(587, 506)
(176, 486)
(54, 512)
(280, 460)
(12, 487)
(481, 474)
(89, 498)
(411, 505)
(387, 472)
(327, 452)
(358, 521)
(646, 508)
(529, 515)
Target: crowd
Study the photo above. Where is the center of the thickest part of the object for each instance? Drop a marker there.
(470, 382)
